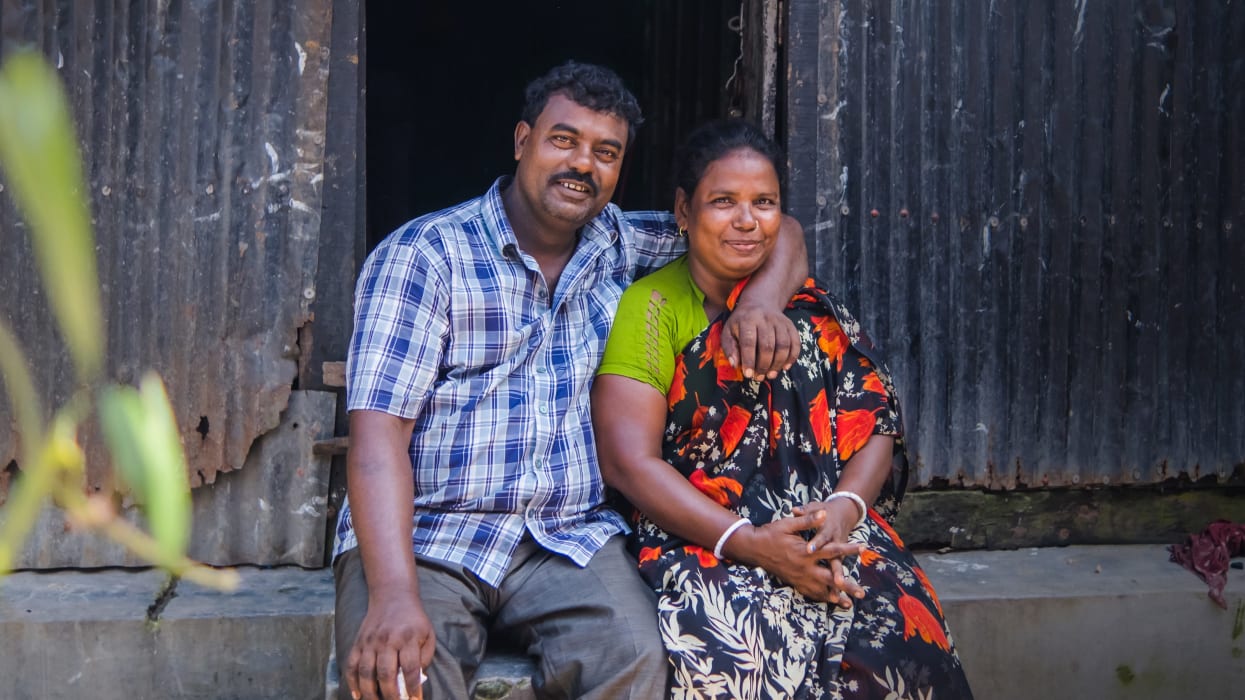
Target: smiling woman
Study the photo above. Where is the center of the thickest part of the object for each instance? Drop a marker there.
(434, 131)
(760, 506)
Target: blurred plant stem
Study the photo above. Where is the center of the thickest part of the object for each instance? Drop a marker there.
(39, 155)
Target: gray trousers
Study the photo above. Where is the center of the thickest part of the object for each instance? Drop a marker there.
(591, 631)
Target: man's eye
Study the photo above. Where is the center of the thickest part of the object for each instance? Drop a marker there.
(560, 139)
(724, 201)
(607, 155)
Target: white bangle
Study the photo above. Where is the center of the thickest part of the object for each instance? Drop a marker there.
(860, 503)
(717, 548)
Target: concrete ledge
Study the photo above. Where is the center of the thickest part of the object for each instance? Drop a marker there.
(1101, 622)
(1098, 622)
(87, 635)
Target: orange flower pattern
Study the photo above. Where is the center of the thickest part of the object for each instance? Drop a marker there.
(678, 391)
(854, 429)
(819, 422)
(918, 620)
(733, 428)
(929, 587)
(719, 488)
(759, 448)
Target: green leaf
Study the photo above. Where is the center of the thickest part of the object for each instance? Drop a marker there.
(23, 400)
(142, 433)
(39, 154)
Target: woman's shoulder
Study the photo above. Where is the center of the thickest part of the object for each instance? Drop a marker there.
(671, 281)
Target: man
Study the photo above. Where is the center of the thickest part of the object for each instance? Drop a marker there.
(477, 332)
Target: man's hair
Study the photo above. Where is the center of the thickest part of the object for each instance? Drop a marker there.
(712, 140)
(596, 87)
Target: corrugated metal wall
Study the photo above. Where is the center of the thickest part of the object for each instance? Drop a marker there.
(203, 126)
(1037, 208)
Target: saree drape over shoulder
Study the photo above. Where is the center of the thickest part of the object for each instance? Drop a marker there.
(759, 448)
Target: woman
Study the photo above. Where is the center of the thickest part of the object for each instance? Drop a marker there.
(760, 504)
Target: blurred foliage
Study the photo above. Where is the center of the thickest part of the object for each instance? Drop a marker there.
(39, 157)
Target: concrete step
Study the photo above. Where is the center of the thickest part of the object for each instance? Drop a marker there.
(1098, 623)
(1093, 622)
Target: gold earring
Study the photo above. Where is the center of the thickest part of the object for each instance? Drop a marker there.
(682, 232)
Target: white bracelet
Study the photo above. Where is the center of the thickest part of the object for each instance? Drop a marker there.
(860, 503)
(717, 548)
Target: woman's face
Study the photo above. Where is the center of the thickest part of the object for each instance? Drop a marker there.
(732, 218)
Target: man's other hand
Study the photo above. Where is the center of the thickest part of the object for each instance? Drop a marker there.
(396, 633)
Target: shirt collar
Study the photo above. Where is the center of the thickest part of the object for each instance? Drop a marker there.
(602, 230)
(496, 226)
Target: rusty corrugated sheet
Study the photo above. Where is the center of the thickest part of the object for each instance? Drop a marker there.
(203, 131)
(271, 512)
(1037, 208)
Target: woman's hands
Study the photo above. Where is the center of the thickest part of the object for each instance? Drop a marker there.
(780, 548)
(838, 518)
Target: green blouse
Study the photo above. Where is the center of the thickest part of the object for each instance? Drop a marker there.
(657, 317)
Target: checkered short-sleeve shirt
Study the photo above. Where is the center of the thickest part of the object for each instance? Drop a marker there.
(454, 327)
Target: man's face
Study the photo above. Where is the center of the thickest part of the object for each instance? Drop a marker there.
(569, 161)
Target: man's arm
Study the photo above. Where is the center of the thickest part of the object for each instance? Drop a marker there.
(757, 336)
(396, 632)
(399, 330)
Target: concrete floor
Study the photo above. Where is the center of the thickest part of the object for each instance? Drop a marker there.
(1097, 623)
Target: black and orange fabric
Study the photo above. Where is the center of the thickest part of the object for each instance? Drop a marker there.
(759, 448)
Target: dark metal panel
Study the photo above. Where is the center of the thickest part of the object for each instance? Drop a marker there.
(1035, 208)
(274, 510)
(203, 128)
(271, 512)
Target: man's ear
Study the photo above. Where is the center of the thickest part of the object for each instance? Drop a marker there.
(681, 207)
(521, 131)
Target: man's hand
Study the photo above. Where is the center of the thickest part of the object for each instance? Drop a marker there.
(757, 337)
(761, 340)
(395, 633)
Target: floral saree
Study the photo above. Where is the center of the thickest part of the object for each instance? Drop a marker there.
(759, 448)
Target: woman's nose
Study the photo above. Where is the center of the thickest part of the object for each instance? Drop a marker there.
(744, 220)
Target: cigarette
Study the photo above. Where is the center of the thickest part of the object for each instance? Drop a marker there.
(403, 694)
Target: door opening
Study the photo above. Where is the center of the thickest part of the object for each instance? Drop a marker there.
(445, 83)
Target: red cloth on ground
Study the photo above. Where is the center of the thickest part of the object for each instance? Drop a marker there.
(1208, 554)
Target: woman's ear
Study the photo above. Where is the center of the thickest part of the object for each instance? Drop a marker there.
(681, 205)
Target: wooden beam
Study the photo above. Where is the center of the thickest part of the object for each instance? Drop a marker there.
(333, 374)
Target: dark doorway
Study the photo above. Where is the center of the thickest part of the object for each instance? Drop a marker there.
(445, 83)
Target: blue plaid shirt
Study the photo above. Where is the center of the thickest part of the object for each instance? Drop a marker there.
(454, 328)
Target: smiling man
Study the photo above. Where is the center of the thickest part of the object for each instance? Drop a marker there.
(475, 500)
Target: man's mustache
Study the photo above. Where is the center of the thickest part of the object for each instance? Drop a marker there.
(583, 178)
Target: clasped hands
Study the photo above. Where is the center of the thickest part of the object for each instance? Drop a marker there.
(812, 566)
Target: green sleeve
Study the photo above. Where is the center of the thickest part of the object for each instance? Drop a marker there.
(641, 342)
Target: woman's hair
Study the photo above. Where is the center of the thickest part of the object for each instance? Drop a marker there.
(712, 140)
(596, 87)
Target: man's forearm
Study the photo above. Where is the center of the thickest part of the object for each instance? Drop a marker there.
(380, 486)
(380, 506)
(783, 273)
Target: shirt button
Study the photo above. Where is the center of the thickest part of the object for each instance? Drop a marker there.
(543, 408)
(541, 370)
